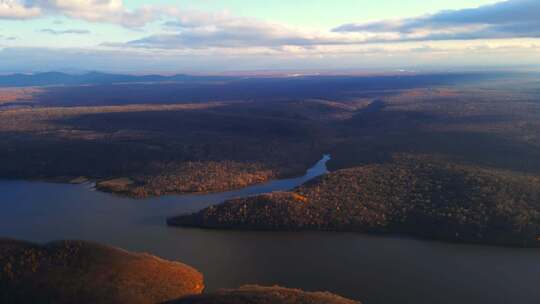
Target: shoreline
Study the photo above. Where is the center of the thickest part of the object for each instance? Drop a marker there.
(82, 180)
(380, 234)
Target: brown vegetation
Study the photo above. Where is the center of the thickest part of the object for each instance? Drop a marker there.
(416, 195)
(14, 95)
(42, 119)
(79, 272)
(190, 177)
(161, 149)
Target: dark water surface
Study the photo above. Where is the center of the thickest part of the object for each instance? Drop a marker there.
(373, 269)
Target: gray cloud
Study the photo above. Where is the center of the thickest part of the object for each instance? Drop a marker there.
(63, 32)
(507, 19)
(8, 38)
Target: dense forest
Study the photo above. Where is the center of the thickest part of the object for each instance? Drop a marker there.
(454, 157)
(412, 195)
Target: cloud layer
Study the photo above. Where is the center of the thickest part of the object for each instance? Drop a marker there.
(192, 29)
(170, 37)
(199, 30)
(503, 20)
(507, 19)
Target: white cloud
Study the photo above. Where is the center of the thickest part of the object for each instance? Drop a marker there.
(194, 29)
(250, 34)
(12, 9)
(110, 11)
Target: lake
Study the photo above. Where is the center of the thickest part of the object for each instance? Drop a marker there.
(373, 269)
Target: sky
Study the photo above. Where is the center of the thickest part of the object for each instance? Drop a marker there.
(216, 36)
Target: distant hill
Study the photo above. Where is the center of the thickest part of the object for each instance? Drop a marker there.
(58, 78)
(356, 81)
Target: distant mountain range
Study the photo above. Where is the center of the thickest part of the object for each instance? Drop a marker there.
(58, 78)
(98, 78)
